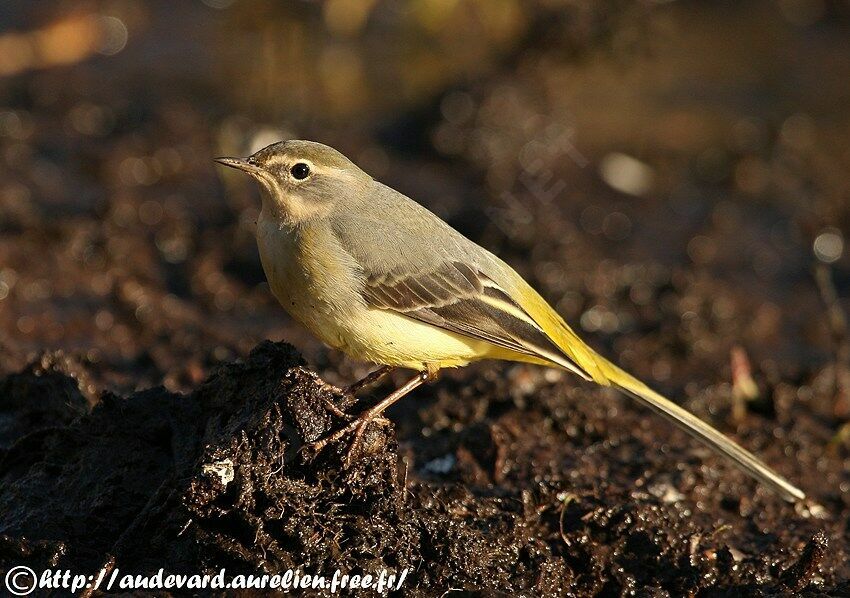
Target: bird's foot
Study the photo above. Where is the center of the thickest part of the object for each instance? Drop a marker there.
(346, 398)
(348, 394)
(332, 408)
(357, 426)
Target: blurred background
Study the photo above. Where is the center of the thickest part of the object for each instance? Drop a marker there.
(672, 175)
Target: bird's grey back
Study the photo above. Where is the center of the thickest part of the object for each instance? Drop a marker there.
(388, 233)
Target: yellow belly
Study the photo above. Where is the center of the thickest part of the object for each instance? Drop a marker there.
(388, 338)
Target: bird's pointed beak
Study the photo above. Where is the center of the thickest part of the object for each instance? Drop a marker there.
(243, 164)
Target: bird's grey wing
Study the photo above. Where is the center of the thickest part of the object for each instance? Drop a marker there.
(460, 298)
(415, 264)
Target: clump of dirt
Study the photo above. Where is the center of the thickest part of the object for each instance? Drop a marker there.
(530, 496)
(49, 391)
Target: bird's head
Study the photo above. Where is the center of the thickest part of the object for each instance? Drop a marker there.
(301, 180)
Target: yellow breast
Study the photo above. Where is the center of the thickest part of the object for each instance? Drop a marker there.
(317, 282)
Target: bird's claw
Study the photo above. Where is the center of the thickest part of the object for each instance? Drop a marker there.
(357, 426)
(343, 393)
(331, 407)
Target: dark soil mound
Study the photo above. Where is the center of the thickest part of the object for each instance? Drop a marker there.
(526, 500)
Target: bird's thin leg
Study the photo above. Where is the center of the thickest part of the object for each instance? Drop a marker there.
(369, 379)
(350, 391)
(358, 426)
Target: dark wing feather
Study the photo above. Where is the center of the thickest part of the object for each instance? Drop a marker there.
(408, 293)
(459, 298)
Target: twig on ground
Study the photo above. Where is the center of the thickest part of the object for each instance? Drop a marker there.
(744, 388)
(838, 327)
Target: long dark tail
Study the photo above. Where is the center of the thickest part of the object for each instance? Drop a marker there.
(742, 458)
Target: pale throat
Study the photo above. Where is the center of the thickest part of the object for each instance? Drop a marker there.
(289, 210)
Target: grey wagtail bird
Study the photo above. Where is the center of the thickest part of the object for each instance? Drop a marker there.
(376, 275)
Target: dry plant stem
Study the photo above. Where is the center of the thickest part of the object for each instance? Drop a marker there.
(744, 388)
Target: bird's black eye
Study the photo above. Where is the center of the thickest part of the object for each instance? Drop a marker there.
(300, 171)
